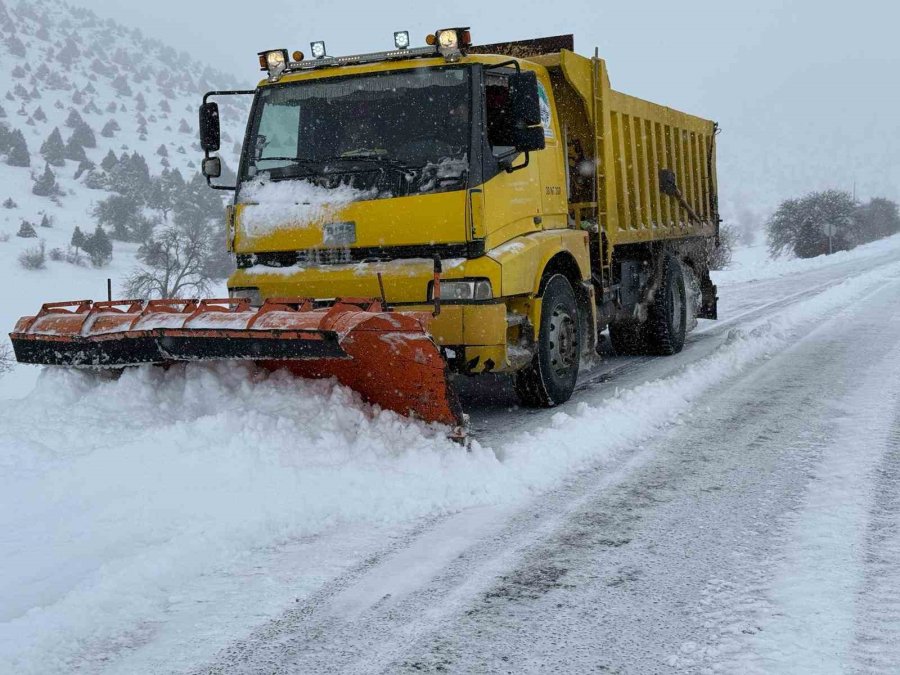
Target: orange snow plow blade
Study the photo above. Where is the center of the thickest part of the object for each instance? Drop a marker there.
(387, 356)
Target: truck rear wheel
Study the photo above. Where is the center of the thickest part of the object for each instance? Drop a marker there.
(666, 324)
(550, 377)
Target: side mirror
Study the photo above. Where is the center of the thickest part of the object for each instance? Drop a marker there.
(210, 135)
(529, 139)
(525, 112)
(212, 167)
(524, 102)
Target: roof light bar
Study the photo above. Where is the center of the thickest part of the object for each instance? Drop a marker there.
(401, 39)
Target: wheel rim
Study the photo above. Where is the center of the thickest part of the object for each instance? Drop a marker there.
(563, 341)
(677, 304)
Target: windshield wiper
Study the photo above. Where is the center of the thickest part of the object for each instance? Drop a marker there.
(374, 158)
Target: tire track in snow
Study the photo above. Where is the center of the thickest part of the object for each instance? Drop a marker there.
(826, 596)
(877, 649)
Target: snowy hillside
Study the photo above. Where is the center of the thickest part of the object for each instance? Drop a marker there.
(106, 89)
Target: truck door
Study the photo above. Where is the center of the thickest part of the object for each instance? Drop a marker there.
(513, 202)
(551, 165)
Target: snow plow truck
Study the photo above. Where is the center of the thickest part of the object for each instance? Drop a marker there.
(425, 211)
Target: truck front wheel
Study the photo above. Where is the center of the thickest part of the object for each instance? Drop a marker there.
(550, 377)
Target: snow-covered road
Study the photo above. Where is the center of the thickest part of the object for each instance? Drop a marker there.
(730, 509)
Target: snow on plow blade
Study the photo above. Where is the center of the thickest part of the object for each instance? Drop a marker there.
(386, 356)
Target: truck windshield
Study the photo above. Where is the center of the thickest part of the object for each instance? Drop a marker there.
(393, 134)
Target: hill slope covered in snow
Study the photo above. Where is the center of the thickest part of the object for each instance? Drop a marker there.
(78, 93)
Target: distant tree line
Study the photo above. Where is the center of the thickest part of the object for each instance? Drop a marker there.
(832, 220)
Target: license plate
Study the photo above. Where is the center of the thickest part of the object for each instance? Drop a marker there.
(339, 234)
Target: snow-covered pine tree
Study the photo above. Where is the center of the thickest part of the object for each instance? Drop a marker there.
(109, 161)
(45, 185)
(26, 230)
(78, 239)
(18, 154)
(84, 135)
(74, 150)
(110, 128)
(53, 150)
(98, 247)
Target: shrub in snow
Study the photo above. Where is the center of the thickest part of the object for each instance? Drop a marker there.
(96, 180)
(45, 185)
(83, 135)
(799, 225)
(46, 221)
(40, 115)
(10, 204)
(34, 258)
(878, 219)
(26, 230)
(18, 72)
(68, 255)
(98, 247)
(184, 127)
(53, 149)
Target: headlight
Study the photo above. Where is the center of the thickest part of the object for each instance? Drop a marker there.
(466, 289)
(451, 42)
(317, 49)
(274, 62)
(252, 294)
(448, 40)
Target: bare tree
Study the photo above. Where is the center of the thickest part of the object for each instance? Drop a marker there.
(174, 264)
(6, 358)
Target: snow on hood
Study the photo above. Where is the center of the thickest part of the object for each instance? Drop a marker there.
(447, 167)
(270, 206)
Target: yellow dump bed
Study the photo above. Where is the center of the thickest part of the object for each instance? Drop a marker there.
(631, 141)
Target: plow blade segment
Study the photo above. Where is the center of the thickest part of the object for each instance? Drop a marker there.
(386, 356)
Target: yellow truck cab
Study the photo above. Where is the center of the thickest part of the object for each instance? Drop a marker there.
(551, 205)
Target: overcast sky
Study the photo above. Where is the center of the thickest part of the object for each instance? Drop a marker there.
(808, 96)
